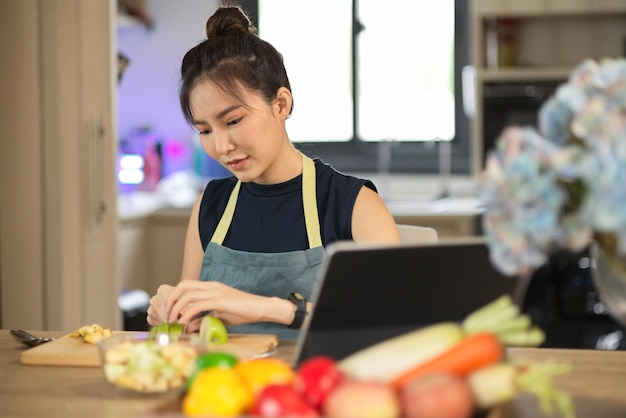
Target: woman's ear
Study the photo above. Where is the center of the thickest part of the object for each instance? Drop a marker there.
(282, 103)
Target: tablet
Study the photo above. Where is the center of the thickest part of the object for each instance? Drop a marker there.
(367, 293)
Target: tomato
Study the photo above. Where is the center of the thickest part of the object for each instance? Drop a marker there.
(315, 378)
(212, 359)
(262, 372)
(282, 401)
(217, 392)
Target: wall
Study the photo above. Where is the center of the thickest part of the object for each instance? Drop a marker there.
(148, 91)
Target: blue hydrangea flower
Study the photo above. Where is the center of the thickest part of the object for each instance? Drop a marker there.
(552, 190)
(522, 200)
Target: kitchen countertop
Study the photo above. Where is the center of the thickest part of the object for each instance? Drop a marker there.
(404, 195)
(596, 381)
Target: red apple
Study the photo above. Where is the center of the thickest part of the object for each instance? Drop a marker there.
(437, 396)
(361, 399)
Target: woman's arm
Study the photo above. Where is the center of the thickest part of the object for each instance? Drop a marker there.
(234, 307)
(371, 220)
(193, 251)
(158, 310)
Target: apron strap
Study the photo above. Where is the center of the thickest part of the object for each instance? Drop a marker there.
(227, 217)
(309, 201)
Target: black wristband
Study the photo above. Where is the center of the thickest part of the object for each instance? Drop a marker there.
(301, 312)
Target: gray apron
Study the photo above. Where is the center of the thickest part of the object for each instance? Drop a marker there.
(268, 274)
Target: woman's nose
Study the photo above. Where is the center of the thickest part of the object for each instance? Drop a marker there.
(223, 143)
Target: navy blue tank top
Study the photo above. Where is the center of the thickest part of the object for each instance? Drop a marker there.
(270, 218)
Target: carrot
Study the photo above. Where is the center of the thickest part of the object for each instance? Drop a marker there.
(470, 354)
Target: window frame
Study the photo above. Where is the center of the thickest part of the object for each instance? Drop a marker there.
(418, 157)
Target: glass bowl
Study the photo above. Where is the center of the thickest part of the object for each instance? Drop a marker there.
(144, 363)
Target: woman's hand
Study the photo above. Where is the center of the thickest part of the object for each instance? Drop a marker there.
(190, 298)
(157, 311)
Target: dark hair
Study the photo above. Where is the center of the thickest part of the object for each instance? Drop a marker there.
(232, 53)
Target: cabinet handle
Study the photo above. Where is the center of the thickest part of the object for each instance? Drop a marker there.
(97, 133)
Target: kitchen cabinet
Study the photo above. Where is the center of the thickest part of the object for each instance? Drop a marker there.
(58, 218)
(150, 248)
(168, 229)
(132, 253)
(538, 40)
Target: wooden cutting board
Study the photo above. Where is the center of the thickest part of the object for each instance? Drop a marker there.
(70, 351)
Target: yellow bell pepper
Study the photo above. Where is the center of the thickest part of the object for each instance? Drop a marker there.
(217, 392)
(262, 372)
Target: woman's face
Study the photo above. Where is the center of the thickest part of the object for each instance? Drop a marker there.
(247, 137)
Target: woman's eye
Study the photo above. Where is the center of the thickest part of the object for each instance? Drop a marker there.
(234, 122)
(204, 132)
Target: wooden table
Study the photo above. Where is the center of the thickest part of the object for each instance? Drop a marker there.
(597, 381)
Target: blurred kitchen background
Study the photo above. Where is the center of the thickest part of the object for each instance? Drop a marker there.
(99, 169)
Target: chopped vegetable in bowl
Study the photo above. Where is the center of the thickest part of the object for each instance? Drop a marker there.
(148, 363)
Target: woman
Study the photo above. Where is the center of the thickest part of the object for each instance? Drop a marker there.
(255, 240)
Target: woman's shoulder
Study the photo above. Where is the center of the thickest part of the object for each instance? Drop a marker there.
(328, 175)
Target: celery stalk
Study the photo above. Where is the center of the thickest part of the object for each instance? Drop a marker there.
(521, 322)
(493, 385)
(532, 337)
(536, 379)
(476, 320)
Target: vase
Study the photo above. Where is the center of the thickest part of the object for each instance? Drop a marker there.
(608, 271)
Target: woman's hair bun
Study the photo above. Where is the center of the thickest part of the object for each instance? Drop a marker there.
(227, 19)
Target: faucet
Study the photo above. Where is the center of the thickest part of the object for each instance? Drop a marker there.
(384, 167)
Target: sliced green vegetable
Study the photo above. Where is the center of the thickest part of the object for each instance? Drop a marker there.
(213, 330)
(173, 329)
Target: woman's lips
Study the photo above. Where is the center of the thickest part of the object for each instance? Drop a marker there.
(238, 164)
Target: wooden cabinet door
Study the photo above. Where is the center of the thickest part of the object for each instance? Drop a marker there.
(98, 150)
(60, 231)
(79, 147)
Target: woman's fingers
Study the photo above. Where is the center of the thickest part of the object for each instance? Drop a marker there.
(152, 317)
(189, 306)
(194, 325)
(157, 313)
(188, 300)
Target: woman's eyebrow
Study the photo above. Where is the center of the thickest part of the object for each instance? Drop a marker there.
(228, 110)
(219, 115)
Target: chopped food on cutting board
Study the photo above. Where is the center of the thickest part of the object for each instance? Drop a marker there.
(92, 333)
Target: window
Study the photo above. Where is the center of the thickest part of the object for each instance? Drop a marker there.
(373, 79)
